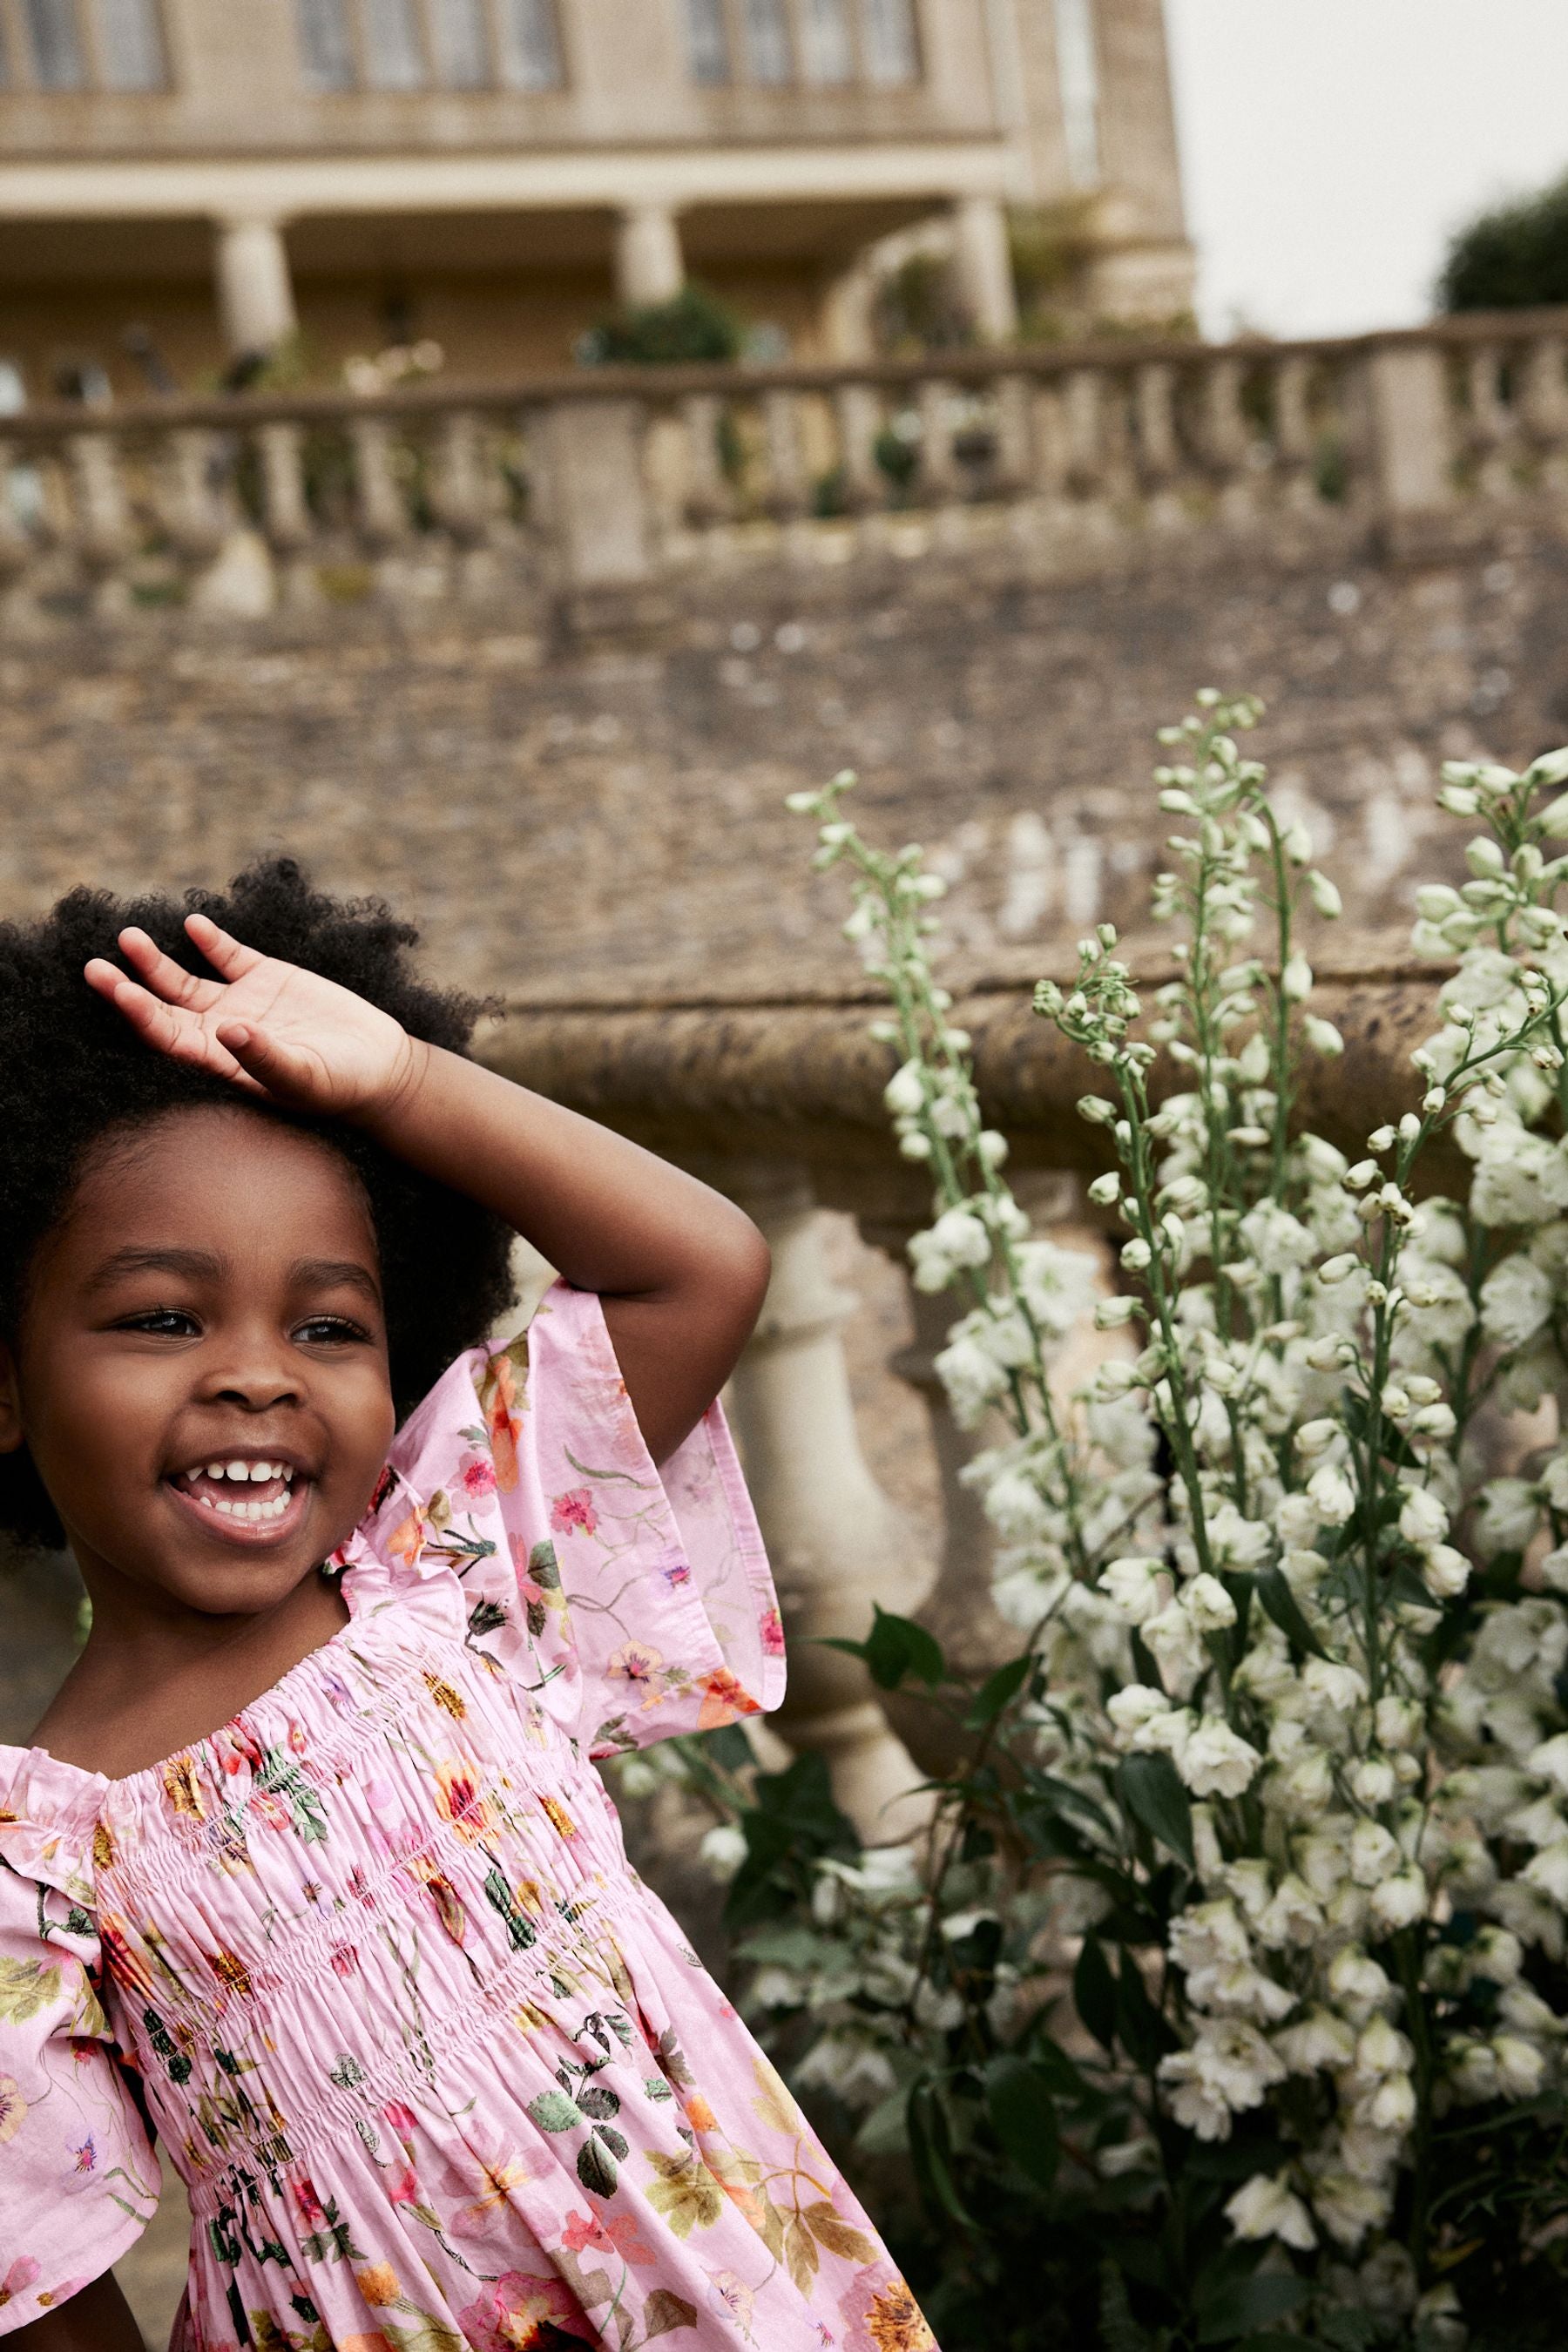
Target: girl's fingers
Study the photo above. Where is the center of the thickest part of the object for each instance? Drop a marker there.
(222, 950)
(167, 979)
(168, 1029)
(276, 1069)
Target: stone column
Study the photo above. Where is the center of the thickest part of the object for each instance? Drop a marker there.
(256, 296)
(983, 268)
(1412, 430)
(648, 263)
(836, 1542)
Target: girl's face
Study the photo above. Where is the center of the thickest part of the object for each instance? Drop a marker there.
(201, 1374)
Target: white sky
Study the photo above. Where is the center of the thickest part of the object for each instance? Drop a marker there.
(1328, 147)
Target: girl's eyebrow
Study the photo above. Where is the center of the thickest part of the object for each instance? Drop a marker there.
(329, 1272)
(197, 1266)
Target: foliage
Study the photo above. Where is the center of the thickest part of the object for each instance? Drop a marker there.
(692, 327)
(1228, 2005)
(1511, 258)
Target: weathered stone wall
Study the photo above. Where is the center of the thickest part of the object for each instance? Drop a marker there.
(588, 804)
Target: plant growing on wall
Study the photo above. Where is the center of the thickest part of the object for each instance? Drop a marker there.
(1229, 2006)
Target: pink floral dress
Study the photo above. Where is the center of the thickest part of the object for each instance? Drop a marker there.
(436, 2068)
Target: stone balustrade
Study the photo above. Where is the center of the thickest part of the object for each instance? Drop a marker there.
(1072, 457)
(778, 1102)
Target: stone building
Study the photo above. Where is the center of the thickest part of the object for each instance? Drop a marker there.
(183, 184)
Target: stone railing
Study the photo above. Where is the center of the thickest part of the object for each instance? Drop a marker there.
(1068, 454)
(778, 1103)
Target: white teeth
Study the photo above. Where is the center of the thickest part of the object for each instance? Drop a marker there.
(260, 1470)
(214, 1469)
(239, 1470)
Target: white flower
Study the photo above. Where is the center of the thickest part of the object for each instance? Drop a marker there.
(1292, 1914)
(1136, 1588)
(1520, 2067)
(1217, 1762)
(1357, 1983)
(854, 2067)
(957, 1239)
(1229, 2069)
(1400, 1901)
(1445, 1572)
(1237, 1542)
(1267, 2207)
(972, 1377)
(722, 1850)
(1015, 1506)
(905, 1091)
(1399, 1722)
(1320, 2039)
(1550, 1761)
(1315, 1437)
(1516, 1300)
(1521, 1179)
(1506, 1515)
(1208, 1604)
(1422, 1518)
(1374, 1852)
(1332, 1495)
(1275, 1240)
(1177, 1646)
(1548, 1872)
(1296, 1520)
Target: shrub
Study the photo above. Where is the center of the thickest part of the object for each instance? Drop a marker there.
(1511, 258)
(1229, 2003)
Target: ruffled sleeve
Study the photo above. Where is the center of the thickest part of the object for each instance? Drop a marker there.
(633, 1603)
(78, 2180)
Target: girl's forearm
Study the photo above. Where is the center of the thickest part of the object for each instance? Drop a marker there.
(96, 2320)
(680, 1269)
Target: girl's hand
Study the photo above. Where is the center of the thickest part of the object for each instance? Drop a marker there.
(266, 1026)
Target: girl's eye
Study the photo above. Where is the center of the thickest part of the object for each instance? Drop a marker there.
(327, 1331)
(162, 1322)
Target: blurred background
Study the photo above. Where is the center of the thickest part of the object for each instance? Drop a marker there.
(494, 449)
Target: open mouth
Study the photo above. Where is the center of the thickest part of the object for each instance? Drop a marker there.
(249, 1495)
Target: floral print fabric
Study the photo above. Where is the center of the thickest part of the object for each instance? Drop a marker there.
(437, 2070)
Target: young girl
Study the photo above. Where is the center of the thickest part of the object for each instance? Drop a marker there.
(308, 1873)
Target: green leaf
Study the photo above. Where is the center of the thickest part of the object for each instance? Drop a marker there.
(552, 2110)
(1150, 1788)
(1286, 1610)
(596, 2169)
(1143, 2033)
(1024, 2117)
(1240, 2307)
(895, 1646)
(996, 1690)
(930, 2149)
(1094, 1991)
(664, 2312)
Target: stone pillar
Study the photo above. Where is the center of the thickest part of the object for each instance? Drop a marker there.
(598, 505)
(648, 263)
(837, 1544)
(255, 297)
(1412, 432)
(983, 268)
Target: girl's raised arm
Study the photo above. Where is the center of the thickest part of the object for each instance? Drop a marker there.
(680, 1270)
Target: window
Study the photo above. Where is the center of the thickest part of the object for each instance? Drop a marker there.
(531, 46)
(458, 37)
(1078, 77)
(325, 49)
(706, 41)
(892, 52)
(393, 57)
(55, 42)
(769, 57)
(826, 43)
(131, 45)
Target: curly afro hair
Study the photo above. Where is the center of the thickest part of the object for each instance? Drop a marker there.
(72, 1072)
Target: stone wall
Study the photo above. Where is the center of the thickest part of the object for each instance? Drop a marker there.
(582, 801)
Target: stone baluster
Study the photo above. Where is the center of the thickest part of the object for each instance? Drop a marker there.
(380, 517)
(462, 497)
(1396, 411)
(709, 498)
(1295, 442)
(1089, 451)
(858, 411)
(837, 1544)
(1543, 408)
(1488, 428)
(1228, 440)
(194, 510)
(1014, 469)
(789, 489)
(16, 542)
(1159, 448)
(100, 534)
(938, 479)
(287, 523)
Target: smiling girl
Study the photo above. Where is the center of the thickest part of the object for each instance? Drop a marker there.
(307, 1872)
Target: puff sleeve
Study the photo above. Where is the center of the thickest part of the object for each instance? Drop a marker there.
(635, 1602)
(78, 2180)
